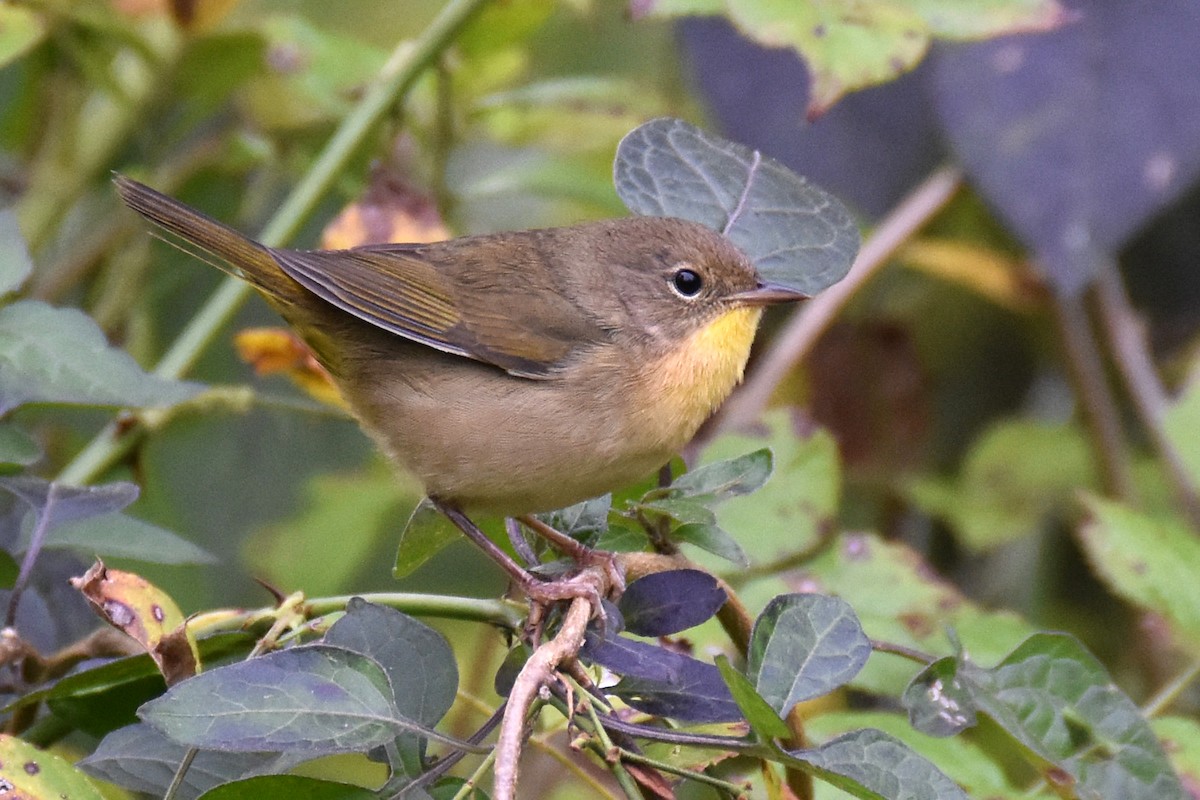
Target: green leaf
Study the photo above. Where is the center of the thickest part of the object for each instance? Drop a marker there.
(720, 480)
(27, 772)
(293, 787)
(968, 763)
(1180, 423)
(417, 659)
(9, 570)
(59, 355)
(849, 46)
(899, 598)
(804, 646)
(712, 539)
(1180, 737)
(427, 532)
(874, 766)
(20, 30)
(763, 719)
(1016, 473)
(15, 263)
(586, 521)
(118, 535)
(796, 234)
(937, 701)
(686, 511)
(1150, 561)
(313, 699)
(17, 446)
(1057, 700)
(139, 758)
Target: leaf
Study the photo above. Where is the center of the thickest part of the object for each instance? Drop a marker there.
(899, 598)
(15, 263)
(117, 535)
(17, 447)
(293, 787)
(662, 682)
(758, 712)
(146, 614)
(426, 533)
(712, 539)
(1180, 423)
(720, 480)
(872, 765)
(967, 762)
(804, 646)
(1015, 474)
(59, 355)
(1180, 737)
(938, 703)
(57, 503)
(1147, 560)
(795, 234)
(849, 46)
(27, 772)
(683, 510)
(417, 659)
(1057, 700)
(663, 603)
(140, 758)
(311, 700)
(586, 521)
(1043, 126)
(20, 30)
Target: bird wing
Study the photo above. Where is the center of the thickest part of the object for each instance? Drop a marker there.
(524, 326)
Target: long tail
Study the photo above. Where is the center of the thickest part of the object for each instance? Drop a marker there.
(244, 257)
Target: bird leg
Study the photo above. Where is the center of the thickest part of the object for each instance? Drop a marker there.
(577, 550)
(585, 585)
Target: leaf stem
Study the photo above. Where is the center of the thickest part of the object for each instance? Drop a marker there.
(407, 62)
(814, 317)
(1126, 338)
(1167, 695)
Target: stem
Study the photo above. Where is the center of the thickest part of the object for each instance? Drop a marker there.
(813, 318)
(501, 613)
(402, 69)
(1126, 338)
(619, 771)
(912, 654)
(181, 772)
(1086, 371)
(1167, 695)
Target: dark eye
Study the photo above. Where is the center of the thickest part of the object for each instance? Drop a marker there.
(687, 282)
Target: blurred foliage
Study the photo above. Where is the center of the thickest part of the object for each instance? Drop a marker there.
(936, 460)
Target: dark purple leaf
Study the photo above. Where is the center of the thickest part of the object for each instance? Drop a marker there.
(1078, 137)
(658, 681)
(668, 602)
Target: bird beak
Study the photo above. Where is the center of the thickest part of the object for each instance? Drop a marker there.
(768, 294)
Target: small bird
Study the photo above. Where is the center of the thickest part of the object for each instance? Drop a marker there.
(514, 372)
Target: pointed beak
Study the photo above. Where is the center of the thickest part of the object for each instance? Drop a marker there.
(768, 294)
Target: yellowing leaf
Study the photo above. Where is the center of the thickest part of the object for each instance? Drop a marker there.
(999, 278)
(279, 350)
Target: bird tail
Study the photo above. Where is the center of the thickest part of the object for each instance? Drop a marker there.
(243, 257)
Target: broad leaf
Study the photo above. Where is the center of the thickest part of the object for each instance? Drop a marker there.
(804, 646)
(586, 521)
(874, 766)
(720, 480)
(17, 446)
(293, 787)
(417, 659)
(763, 719)
(1079, 137)
(27, 772)
(796, 234)
(59, 355)
(664, 603)
(848, 46)
(1147, 560)
(937, 701)
(659, 681)
(313, 700)
(141, 759)
(426, 533)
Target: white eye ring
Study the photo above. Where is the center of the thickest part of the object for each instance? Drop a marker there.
(686, 282)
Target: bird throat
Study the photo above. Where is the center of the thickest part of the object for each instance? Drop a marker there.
(701, 373)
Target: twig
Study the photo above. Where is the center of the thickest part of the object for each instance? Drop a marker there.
(1086, 371)
(1126, 338)
(814, 317)
(536, 673)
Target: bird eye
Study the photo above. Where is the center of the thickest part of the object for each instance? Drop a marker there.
(687, 283)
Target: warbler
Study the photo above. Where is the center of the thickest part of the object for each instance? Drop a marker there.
(513, 372)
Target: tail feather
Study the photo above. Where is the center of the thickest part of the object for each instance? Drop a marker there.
(244, 258)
